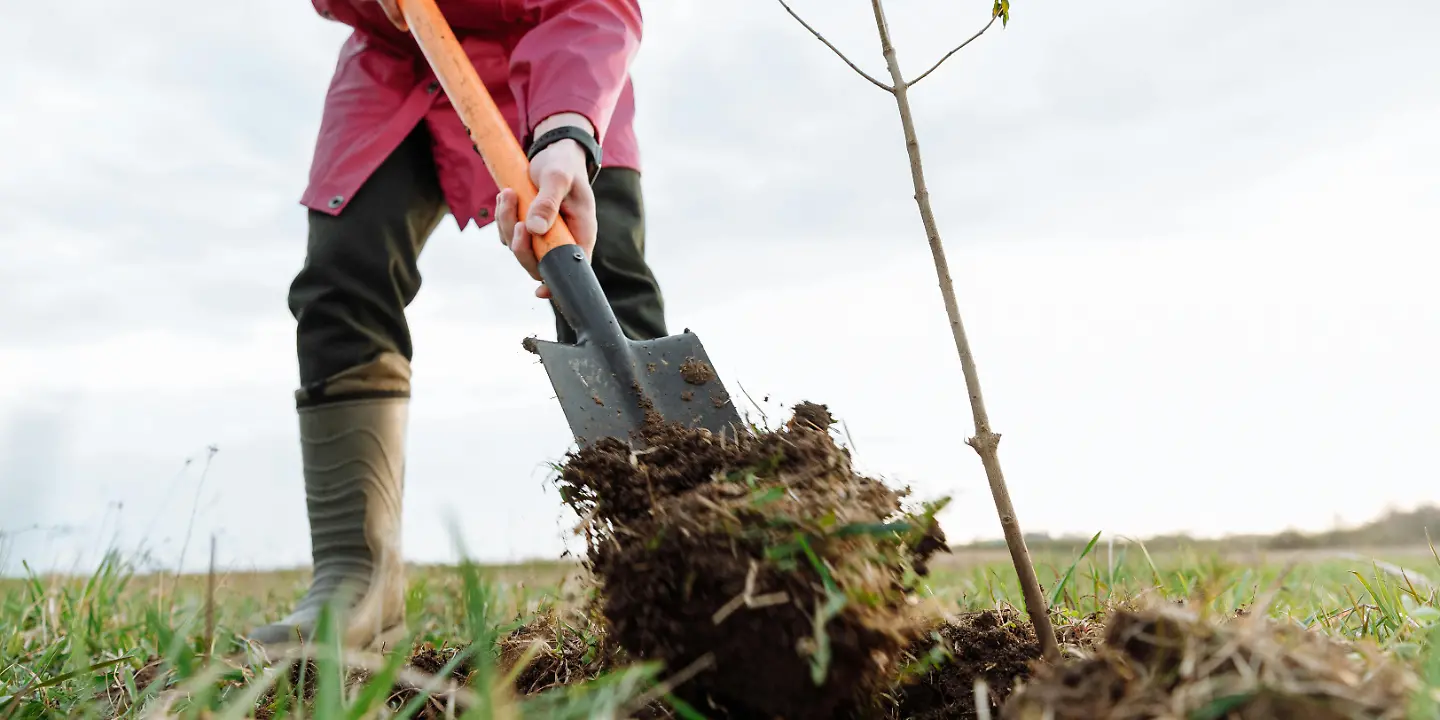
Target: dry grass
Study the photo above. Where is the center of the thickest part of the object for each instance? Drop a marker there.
(1175, 661)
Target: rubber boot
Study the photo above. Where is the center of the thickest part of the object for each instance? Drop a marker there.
(354, 460)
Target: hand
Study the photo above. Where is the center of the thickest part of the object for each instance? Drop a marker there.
(563, 185)
(392, 11)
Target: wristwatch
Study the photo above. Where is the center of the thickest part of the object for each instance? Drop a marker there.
(570, 132)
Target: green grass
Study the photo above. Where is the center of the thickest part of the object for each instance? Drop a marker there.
(89, 646)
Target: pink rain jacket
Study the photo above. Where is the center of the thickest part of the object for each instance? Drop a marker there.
(536, 57)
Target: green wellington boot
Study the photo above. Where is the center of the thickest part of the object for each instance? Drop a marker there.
(354, 459)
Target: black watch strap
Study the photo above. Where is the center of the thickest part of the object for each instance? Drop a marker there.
(570, 132)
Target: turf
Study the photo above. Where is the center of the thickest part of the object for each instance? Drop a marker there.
(121, 644)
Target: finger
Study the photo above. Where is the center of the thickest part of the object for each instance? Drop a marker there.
(524, 251)
(392, 11)
(519, 241)
(522, 244)
(554, 187)
(506, 211)
(580, 216)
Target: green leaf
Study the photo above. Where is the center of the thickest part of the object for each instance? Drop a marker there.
(820, 662)
(417, 703)
(937, 654)
(780, 552)
(830, 587)
(329, 664)
(873, 529)
(603, 697)
(1002, 11)
(760, 498)
(827, 520)
(1422, 703)
(1425, 615)
(61, 678)
(378, 689)
(1220, 707)
(1059, 588)
(682, 708)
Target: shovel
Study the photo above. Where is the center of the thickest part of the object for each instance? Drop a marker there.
(607, 384)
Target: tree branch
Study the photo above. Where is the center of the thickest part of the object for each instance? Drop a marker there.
(986, 441)
(958, 48)
(822, 39)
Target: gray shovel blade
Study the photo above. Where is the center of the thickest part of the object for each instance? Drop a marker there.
(607, 389)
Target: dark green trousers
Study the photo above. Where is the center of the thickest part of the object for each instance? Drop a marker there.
(360, 271)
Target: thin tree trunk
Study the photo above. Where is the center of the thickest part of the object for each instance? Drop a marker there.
(986, 442)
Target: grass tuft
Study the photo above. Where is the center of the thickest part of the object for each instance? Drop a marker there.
(517, 642)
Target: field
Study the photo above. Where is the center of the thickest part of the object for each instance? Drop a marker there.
(117, 644)
(760, 576)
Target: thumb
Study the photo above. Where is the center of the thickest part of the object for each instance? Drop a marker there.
(554, 186)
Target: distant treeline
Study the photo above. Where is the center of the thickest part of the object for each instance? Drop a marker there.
(1396, 528)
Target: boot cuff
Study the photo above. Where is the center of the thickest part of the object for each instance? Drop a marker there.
(387, 376)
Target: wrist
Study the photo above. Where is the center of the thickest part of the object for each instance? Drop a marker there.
(567, 128)
(571, 119)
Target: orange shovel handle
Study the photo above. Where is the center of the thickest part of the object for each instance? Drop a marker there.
(488, 129)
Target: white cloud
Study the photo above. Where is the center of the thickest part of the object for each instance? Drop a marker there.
(1192, 246)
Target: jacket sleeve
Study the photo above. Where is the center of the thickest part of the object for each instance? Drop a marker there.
(575, 59)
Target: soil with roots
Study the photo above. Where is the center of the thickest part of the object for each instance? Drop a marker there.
(763, 564)
(994, 646)
(1161, 662)
(1170, 661)
(773, 581)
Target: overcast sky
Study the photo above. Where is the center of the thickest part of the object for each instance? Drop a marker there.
(1195, 246)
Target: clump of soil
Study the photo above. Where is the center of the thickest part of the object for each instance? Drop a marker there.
(556, 649)
(559, 649)
(696, 372)
(813, 415)
(764, 559)
(298, 683)
(431, 660)
(425, 658)
(1168, 662)
(939, 681)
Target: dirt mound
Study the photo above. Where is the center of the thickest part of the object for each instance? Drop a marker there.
(765, 560)
(559, 649)
(431, 660)
(1168, 662)
(997, 647)
(565, 648)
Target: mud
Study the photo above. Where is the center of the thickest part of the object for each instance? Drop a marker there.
(696, 372)
(1168, 661)
(766, 557)
(998, 647)
(812, 415)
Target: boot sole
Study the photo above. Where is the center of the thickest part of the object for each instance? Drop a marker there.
(386, 641)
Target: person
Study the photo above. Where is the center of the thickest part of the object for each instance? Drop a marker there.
(391, 160)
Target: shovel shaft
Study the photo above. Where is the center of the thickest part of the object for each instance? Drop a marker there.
(487, 127)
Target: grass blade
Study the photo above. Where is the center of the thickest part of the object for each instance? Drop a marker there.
(1059, 589)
